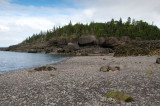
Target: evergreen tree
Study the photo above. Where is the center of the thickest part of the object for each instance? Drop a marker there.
(111, 28)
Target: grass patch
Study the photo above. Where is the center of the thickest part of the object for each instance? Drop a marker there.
(119, 96)
(149, 72)
(109, 82)
(129, 86)
(125, 66)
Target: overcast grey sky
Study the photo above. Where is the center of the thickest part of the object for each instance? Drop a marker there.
(21, 18)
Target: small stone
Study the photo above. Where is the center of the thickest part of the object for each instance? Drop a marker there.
(82, 83)
(80, 103)
(103, 99)
(24, 102)
(87, 88)
(14, 97)
(52, 104)
(104, 58)
(158, 61)
(64, 92)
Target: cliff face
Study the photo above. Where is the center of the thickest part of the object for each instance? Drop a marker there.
(78, 46)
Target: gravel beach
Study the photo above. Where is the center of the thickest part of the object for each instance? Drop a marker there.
(78, 82)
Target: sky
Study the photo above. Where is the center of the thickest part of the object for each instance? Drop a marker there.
(20, 19)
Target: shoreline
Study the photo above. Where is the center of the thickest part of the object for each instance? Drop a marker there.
(78, 81)
(68, 56)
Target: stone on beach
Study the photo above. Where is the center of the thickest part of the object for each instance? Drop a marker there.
(109, 68)
(158, 61)
(45, 68)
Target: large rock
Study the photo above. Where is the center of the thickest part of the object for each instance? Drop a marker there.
(158, 61)
(126, 39)
(101, 41)
(109, 68)
(111, 42)
(70, 48)
(87, 40)
(73, 47)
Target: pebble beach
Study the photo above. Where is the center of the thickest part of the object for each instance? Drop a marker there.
(78, 82)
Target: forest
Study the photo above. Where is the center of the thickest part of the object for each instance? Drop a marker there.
(131, 28)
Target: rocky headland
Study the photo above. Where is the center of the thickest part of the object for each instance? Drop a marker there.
(90, 45)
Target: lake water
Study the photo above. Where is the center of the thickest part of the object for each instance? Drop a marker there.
(12, 61)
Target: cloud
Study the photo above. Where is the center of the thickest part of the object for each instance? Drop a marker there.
(18, 21)
(138, 9)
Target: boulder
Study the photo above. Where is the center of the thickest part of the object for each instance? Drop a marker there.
(111, 42)
(73, 46)
(109, 68)
(113, 68)
(87, 40)
(126, 39)
(104, 69)
(101, 40)
(158, 61)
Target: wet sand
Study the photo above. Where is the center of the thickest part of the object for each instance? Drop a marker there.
(78, 82)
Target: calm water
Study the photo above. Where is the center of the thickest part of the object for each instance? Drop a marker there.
(12, 61)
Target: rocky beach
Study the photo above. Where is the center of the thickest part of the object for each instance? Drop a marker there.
(79, 53)
(103, 70)
(78, 81)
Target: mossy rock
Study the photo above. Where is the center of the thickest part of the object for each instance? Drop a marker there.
(139, 49)
(119, 96)
(155, 53)
(44, 68)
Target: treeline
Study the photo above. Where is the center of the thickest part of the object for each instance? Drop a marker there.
(119, 28)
